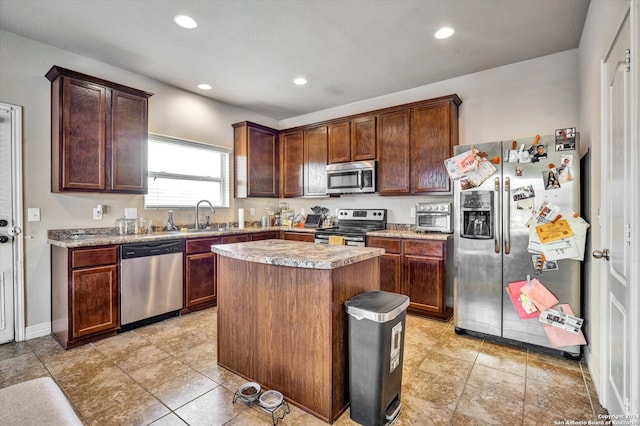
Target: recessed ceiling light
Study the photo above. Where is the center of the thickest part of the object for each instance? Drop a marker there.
(204, 86)
(300, 81)
(185, 21)
(444, 32)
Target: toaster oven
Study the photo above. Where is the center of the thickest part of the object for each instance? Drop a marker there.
(434, 217)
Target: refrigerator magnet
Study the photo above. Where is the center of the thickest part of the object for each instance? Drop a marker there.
(524, 197)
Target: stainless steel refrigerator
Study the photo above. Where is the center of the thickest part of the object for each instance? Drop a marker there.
(491, 238)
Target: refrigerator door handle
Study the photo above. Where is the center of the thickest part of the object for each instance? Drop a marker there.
(496, 216)
(507, 216)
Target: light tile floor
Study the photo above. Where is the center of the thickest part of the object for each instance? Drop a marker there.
(166, 374)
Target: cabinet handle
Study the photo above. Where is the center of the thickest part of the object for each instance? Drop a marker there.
(496, 216)
(507, 216)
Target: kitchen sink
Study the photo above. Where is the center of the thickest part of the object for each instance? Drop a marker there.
(82, 236)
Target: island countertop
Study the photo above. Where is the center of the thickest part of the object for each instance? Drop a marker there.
(297, 254)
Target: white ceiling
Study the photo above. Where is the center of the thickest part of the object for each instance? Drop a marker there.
(349, 50)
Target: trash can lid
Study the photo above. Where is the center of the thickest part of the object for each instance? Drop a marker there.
(376, 305)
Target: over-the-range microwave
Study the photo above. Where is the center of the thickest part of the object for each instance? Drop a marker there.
(357, 177)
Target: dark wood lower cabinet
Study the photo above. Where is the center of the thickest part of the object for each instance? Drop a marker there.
(308, 237)
(200, 287)
(418, 269)
(85, 297)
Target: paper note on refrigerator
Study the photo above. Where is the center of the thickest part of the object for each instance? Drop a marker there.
(523, 305)
(558, 337)
(539, 295)
(554, 231)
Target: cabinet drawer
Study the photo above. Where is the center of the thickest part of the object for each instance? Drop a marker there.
(235, 238)
(388, 244)
(299, 236)
(81, 258)
(424, 248)
(200, 245)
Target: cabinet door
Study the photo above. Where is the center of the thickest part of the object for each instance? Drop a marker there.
(315, 161)
(200, 280)
(390, 273)
(390, 262)
(339, 144)
(127, 144)
(424, 283)
(431, 143)
(94, 300)
(263, 163)
(363, 138)
(292, 164)
(393, 152)
(81, 136)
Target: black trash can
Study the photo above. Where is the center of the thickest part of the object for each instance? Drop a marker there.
(376, 322)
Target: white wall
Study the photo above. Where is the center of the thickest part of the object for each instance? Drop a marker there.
(171, 112)
(603, 20)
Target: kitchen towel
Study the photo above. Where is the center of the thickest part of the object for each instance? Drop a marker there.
(336, 240)
(240, 218)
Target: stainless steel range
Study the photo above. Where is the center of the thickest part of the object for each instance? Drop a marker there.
(353, 225)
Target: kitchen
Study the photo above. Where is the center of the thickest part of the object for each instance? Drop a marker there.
(497, 103)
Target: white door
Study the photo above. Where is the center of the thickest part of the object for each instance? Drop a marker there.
(618, 198)
(10, 221)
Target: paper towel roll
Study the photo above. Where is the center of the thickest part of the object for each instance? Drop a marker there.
(241, 218)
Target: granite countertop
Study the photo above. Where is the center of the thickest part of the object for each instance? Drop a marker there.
(297, 254)
(72, 238)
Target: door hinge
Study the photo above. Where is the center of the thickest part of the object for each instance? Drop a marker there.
(628, 60)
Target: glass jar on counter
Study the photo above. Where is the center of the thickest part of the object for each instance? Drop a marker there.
(126, 226)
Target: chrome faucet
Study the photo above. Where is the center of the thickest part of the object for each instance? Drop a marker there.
(197, 224)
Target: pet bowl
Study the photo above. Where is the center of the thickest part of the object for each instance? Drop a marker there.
(271, 399)
(249, 391)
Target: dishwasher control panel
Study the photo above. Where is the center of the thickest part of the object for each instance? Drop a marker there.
(129, 251)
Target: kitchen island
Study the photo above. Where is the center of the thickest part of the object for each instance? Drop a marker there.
(281, 317)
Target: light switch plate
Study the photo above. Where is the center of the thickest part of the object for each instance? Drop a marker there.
(33, 214)
(131, 213)
(252, 211)
(413, 212)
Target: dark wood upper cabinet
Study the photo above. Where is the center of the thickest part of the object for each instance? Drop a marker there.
(363, 138)
(353, 140)
(394, 161)
(292, 164)
(257, 161)
(434, 132)
(339, 144)
(99, 134)
(315, 161)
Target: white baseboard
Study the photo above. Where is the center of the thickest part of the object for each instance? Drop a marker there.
(38, 330)
(594, 371)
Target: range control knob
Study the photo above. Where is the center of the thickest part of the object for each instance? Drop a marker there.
(3, 222)
(4, 239)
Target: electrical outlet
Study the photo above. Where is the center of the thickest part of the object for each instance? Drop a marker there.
(33, 214)
(97, 213)
(252, 211)
(413, 212)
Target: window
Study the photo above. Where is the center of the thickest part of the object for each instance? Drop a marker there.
(181, 173)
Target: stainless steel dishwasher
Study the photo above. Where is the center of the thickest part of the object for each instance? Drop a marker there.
(150, 281)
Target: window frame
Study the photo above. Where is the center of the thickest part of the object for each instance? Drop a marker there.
(225, 179)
